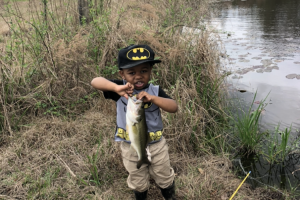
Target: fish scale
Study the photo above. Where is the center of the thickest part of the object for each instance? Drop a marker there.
(137, 129)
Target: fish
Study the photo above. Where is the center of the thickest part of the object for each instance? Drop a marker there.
(137, 129)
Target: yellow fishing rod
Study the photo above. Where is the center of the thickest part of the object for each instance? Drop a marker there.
(240, 185)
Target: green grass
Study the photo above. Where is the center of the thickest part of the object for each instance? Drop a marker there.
(247, 128)
(93, 166)
(279, 147)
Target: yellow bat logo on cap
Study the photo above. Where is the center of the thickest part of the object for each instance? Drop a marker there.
(138, 54)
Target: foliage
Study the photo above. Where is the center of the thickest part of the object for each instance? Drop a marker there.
(247, 128)
(93, 166)
(277, 149)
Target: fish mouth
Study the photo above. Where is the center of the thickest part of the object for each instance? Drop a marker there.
(139, 84)
(137, 101)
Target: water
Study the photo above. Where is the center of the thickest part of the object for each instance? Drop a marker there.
(262, 43)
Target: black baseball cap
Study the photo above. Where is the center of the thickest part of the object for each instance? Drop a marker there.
(134, 55)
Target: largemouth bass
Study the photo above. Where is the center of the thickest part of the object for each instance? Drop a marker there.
(137, 129)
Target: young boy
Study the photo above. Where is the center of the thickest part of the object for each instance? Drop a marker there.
(135, 65)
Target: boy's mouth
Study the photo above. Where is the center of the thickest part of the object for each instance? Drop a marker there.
(139, 84)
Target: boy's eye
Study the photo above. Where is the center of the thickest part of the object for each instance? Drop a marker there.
(131, 73)
(144, 71)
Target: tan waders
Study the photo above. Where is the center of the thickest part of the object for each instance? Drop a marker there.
(160, 170)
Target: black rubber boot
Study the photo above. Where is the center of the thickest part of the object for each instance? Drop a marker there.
(140, 195)
(169, 192)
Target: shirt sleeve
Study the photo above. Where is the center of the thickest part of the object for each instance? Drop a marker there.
(161, 93)
(112, 95)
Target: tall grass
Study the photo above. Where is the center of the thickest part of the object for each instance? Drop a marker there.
(54, 58)
(279, 147)
(247, 128)
(44, 59)
(249, 138)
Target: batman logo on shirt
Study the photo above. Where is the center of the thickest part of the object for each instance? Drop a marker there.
(138, 54)
(147, 105)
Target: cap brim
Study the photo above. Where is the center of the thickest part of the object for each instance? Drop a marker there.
(140, 62)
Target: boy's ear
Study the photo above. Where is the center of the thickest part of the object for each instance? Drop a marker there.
(121, 72)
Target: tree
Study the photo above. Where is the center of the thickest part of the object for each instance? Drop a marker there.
(83, 9)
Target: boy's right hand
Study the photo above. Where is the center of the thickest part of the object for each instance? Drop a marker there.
(124, 90)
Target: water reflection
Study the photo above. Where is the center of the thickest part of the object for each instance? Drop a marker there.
(263, 46)
(283, 104)
(281, 13)
(283, 175)
(262, 43)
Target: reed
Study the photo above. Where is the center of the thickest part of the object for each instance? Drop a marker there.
(247, 128)
(279, 147)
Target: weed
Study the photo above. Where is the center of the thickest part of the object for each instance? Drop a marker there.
(278, 150)
(247, 129)
(93, 166)
(294, 191)
(110, 70)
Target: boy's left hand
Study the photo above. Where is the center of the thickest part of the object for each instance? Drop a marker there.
(146, 97)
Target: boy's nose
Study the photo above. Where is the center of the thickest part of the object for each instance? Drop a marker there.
(138, 75)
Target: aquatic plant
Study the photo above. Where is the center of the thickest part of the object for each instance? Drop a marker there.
(247, 127)
(278, 148)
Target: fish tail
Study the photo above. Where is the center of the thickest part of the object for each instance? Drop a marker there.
(142, 161)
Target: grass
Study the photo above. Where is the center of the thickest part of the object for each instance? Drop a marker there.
(51, 116)
(93, 166)
(279, 149)
(247, 128)
(274, 146)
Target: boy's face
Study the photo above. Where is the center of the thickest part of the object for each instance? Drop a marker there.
(139, 76)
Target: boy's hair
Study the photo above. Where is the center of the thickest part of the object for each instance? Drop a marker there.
(134, 55)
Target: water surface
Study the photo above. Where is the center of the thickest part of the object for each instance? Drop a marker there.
(261, 40)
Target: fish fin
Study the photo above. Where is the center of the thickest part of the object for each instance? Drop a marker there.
(138, 119)
(148, 153)
(142, 161)
(131, 120)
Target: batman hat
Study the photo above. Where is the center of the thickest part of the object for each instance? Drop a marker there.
(134, 55)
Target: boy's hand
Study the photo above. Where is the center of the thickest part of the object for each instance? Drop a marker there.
(166, 104)
(146, 97)
(124, 90)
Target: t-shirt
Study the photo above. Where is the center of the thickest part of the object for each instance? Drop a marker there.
(114, 96)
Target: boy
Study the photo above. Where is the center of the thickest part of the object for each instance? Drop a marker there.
(135, 65)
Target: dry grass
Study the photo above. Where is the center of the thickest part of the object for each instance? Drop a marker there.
(53, 119)
(49, 161)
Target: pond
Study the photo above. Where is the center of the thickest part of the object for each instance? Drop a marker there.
(261, 39)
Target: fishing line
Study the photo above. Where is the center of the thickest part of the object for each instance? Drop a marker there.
(255, 179)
